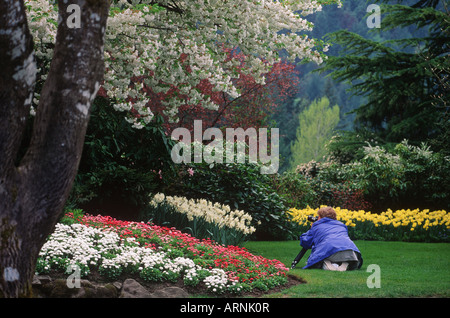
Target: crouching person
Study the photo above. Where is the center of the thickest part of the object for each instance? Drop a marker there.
(331, 247)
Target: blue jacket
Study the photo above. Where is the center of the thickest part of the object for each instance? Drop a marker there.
(326, 237)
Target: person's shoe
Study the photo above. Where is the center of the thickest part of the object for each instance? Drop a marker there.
(343, 267)
(327, 265)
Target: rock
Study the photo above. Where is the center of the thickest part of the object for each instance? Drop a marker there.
(60, 290)
(41, 279)
(41, 285)
(118, 285)
(170, 292)
(132, 289)
(46, 287)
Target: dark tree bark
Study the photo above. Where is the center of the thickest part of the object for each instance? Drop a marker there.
(33, 192)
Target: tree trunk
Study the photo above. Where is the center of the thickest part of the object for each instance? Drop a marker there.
(33, 193)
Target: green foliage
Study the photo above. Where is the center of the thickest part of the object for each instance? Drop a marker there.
(152, 274)
(405, 177)
(296, 189)
(120, 165)
(110, 272)
(395, 177)
(242, 187)
(317, 124)
(307, 187)
(348, 146)
(442, 141)
(286, 119)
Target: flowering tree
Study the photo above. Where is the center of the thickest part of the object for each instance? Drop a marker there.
(68, 51)
(252, 108)
(173, 47)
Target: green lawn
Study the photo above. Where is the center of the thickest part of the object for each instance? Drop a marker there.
(406, 270)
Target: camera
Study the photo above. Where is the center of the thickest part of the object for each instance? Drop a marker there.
(312, 219)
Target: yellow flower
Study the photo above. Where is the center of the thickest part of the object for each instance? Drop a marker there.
(416, 218)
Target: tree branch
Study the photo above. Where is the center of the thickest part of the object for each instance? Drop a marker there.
(169, 7)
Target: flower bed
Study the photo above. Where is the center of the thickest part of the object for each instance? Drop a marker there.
(202, 218)
(400, 225)
(114, 248)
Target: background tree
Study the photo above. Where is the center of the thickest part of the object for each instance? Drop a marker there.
(316, 127)
(253, 108)
(402, 78)
(286, 119)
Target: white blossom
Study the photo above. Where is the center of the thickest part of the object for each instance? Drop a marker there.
(145, 43)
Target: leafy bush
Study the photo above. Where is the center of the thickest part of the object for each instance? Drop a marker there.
(348, 196)
(426, 174)
(296, 189)
(242, 187)
(306, 187)
(120, 165)
(407, 176)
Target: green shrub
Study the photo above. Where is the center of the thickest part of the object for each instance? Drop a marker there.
(120, 165)
(306, 187)
(152, 274)
(405, 177)
(398, 176)
(242, 187)
(296, 189)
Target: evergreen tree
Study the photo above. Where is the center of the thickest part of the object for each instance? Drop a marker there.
(404, 79)
(317, 124)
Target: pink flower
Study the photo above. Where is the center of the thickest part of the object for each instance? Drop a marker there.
(190, 171)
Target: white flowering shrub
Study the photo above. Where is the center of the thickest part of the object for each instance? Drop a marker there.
(217, 281)
(78, 245)
(166, 44)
